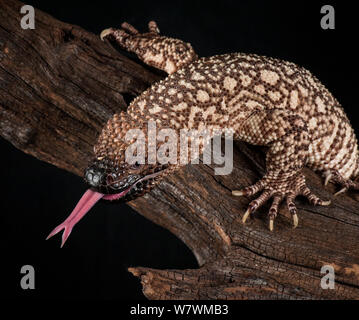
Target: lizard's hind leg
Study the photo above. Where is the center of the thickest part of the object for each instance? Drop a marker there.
(334, 151)
(286, 135)
(164, 53)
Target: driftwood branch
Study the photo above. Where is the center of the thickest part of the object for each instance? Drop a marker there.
(58, 86)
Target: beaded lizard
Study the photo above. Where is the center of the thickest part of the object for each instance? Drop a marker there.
(263, 101)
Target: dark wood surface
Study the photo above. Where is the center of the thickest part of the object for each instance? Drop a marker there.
(58, 86)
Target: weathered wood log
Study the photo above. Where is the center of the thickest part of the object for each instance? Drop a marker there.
(58, 86)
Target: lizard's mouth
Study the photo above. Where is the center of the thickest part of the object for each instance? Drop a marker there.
(91, 197)
(136, 189)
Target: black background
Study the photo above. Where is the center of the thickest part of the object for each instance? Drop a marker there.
(35, 196)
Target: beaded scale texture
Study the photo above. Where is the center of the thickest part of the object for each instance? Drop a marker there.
(260, 100)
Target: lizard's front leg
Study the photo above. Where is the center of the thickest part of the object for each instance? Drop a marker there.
(286, 135)
(167, 54)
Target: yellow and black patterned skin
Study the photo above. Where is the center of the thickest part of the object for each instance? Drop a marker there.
(261, 100)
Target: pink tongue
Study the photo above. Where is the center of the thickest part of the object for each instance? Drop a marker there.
(87, 201)
(115, 196)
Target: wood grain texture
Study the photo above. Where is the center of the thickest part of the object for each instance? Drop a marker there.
(58, 86)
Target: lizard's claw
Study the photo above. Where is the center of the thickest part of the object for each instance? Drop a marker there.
(327, 178)
(105, 33)
(295, 220)
(287, 190)
(246, 215)
(340, 191)
(271, 222)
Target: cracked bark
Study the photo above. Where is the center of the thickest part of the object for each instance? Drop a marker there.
(52, 106)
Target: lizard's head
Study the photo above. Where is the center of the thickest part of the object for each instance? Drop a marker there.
(122, 181)
(114, 174)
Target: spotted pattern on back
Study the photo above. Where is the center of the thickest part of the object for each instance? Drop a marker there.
(223, 91)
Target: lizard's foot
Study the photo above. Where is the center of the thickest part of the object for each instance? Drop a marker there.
(279, 189)
(129, 33)
(334, 176)
(164, 53)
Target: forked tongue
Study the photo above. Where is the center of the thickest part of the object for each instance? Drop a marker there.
(87, 201)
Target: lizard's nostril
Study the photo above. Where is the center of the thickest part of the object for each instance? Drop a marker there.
(94, 176)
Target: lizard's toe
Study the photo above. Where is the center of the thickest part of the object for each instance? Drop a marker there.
(273, 211)
(129, 28)
(250, 190)
(152, 27)
(255, 204)
(335, 177)
(292, 209)
(312, 198)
